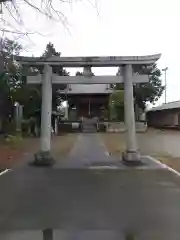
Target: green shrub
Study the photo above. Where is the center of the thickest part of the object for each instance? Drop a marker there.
(28, 126)
(10, 127)
(25, 125)
(13, 140)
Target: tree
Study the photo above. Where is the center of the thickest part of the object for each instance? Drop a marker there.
(151, 91)
(116, 105)
(48, 8)
(146, 92)
(12, 74)
(8, 48)
(12, 20)
(79, 73)
(82, 74)
(8, 67)
(8, 78)
(50, 51)
(13, 86)
(5, 100)
(30, 96)
(143, 92)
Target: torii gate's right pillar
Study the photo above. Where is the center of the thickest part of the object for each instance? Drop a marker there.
(131, 155)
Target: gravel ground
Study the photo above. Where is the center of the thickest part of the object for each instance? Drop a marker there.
(11, 155)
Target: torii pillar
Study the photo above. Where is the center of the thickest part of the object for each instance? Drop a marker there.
(131, 156)
(43, 157)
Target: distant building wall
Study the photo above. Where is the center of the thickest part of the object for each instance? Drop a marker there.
(142, 117)
(162, 118)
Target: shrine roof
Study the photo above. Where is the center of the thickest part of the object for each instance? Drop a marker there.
(88, 89)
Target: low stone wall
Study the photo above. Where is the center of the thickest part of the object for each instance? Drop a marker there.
(116, 127)
(75, 125)
(120, 127)
(70, 126)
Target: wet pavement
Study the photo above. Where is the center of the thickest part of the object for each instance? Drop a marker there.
(90, 203)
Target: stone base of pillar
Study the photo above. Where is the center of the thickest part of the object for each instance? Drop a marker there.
(130, 158)
(43, 159)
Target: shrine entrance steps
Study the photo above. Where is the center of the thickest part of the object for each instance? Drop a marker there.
(89, 125)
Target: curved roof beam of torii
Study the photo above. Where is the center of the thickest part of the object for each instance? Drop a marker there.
(111, 61)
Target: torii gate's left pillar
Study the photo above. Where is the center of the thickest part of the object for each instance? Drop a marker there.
(43, 157)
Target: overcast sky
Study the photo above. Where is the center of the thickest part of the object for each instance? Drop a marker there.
(116, 27)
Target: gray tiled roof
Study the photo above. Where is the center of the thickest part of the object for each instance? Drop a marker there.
(164, 106)
(89, 89)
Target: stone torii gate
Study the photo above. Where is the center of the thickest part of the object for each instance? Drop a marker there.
(129, 67)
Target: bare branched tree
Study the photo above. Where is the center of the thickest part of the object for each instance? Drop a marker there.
(12, 18)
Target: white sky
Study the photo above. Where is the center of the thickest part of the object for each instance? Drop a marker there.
(121, 27)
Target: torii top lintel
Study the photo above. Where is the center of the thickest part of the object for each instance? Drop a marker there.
(111, 61)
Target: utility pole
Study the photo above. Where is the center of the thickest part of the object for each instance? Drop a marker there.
(165, 70)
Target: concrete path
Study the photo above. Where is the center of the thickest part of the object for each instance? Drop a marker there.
(90, 152)
(87, 203)
(87, 151)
